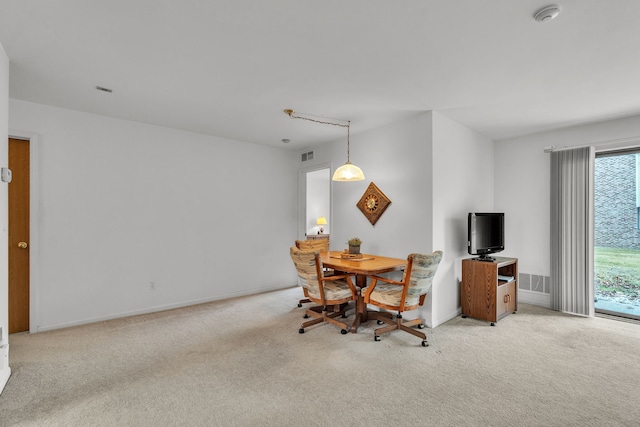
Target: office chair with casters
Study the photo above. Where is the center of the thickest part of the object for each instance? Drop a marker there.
(405, 295)
(329, 291)
(320, 245)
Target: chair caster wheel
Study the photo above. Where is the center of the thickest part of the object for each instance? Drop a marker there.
(343, 331)
(299, 305)
(306, 316)
(344, 315)
(421, 326)
(425, 343)
(380, 322)
(464, 316)
(376, 338)
(301, 331)
(493, 324)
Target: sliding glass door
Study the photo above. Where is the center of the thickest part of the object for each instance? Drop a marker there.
(617, 234)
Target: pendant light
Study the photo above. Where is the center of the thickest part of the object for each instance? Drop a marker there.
(347, 172)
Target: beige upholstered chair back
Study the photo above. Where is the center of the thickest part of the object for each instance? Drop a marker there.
(423, 268)
(305, 262)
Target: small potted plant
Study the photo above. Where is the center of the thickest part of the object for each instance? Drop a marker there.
(354, 245)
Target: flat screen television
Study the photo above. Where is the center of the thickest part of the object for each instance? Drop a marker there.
(485, 234)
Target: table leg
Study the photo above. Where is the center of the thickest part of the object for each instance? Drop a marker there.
(361, 307)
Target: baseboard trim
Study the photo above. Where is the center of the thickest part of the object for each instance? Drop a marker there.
(4, 378)
(535, 298)
(155, 309)
(5, 372)
(446, 318)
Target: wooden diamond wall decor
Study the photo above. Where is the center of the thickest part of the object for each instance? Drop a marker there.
(373, 203)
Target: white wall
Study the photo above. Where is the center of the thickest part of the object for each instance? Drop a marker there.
(522, 185)
(463, 174)
(397, 159)
(4, 220)
(135, 218)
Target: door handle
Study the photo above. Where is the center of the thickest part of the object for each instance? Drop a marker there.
(23, 245)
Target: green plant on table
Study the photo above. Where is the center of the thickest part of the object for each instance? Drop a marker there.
(355, 241)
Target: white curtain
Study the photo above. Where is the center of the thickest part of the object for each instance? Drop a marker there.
(572, 230)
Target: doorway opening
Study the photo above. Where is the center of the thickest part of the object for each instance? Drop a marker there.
(315, 202)
(617, 234)
(318, 202)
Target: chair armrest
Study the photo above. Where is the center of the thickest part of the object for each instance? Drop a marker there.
(337, 277)
(374, 282)
(387, 280)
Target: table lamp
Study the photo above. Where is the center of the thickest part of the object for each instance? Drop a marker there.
(321, 221)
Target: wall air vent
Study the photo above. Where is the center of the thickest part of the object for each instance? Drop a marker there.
(104, 89)
(307, 156)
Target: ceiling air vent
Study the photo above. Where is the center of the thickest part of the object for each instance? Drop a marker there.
(547, 14)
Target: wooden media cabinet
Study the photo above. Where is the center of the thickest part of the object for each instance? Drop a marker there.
(489, 290)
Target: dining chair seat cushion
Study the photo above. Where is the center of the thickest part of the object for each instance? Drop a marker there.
(333, 289)
(391, 295)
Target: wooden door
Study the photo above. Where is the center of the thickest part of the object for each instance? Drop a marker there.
(19, 236)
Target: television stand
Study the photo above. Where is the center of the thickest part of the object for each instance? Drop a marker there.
(489, 291)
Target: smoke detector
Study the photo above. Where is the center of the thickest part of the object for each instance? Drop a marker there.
(546, 14)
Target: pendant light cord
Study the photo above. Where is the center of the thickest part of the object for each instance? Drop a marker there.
(292, 114)
(348, 145)
(348, 171)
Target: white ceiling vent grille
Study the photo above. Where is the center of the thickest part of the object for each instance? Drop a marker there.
(547, 14)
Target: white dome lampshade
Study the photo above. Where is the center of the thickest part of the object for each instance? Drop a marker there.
(348, 172)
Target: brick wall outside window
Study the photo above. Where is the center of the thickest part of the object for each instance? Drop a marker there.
(616, 211)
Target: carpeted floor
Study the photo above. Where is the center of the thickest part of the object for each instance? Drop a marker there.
(242, 362)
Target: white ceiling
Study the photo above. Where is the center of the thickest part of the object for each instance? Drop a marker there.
(229, 68)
